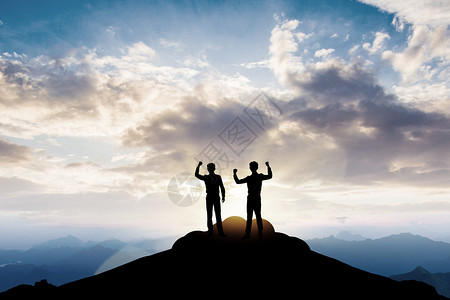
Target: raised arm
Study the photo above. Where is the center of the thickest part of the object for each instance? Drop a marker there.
(236, 179)
(197, 174)
(269, 172)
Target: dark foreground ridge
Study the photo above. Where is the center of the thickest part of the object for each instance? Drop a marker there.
(215, 267)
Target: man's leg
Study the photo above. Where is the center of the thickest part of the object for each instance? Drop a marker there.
(259, 220)
(209, 211)
(248, 228)
(217, 211)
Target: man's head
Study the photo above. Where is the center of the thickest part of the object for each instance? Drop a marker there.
(253, 166)
(211, 167)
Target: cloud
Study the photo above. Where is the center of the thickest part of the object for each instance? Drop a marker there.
(398, 24)
(372, 129)
(196, 62)
(378, 43)
(323, 52)
(419, 12)
(15, 185)
(425, 46)
(49, 207)
(189, 121)
(12, 153)
(170, 44)
(112, 104)
(84, 94)
(179, 133)
(364, 131)
(301, 36)
(335, 81)
(282, 47)
(257, 64)
(346, 125)
(140, 51)
(353, 49)
(429, 41)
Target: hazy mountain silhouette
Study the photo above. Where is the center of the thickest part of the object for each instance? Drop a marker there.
(65, 242)
(204, 267)
(395, 254)
(441, 281)
(348, 236)
(68, 258)
(68, 265)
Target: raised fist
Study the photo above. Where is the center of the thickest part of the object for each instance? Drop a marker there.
(267, 164)
(234, 171)
(200, 163)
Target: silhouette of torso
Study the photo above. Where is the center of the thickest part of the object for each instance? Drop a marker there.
(254, 183)
(212, 182)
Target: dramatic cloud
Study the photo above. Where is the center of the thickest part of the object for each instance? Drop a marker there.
(116, 104)
(84, 94)
(379, 137)
(424, 63)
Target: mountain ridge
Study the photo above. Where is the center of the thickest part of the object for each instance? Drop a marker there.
(69, 253)
(29, 266)
(196, 265)
(69, 241)
(440, 281)
(394, 254)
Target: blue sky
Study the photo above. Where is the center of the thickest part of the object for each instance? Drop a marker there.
(103, 103)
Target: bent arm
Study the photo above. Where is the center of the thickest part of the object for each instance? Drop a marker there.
(239, 181)
(269, 174)
(197, 174)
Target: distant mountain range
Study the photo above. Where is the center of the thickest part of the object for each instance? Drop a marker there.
(395, 254)
(69, 258)
(441, 281)
(200, 266)
(348, 236)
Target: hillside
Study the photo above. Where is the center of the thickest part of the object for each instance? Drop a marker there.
(441, 281)
(197, 266)
(67, 259)
(395, 254)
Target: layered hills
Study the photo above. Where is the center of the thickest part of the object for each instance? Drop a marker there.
(227, 267)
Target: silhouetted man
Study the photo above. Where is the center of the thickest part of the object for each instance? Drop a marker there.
(254, 183)
(212, 182)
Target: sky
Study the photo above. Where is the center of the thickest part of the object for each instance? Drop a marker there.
(107, 106)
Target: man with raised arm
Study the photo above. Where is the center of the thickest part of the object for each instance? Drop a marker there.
(212, 182)
(254, 183)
